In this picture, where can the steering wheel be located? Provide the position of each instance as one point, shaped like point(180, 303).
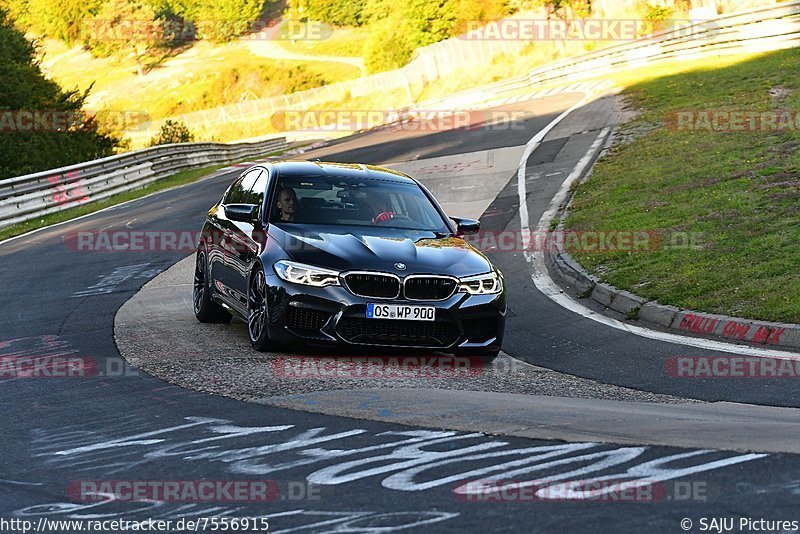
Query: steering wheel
point(388, 216)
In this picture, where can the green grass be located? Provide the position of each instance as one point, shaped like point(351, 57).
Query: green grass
point(179, 178)
point(739, 192)
point(346, 42)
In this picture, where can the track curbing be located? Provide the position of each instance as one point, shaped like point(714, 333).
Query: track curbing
point(684, 321)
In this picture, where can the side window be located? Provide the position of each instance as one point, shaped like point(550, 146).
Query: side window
point(258, 191)
point(231, 191)
point(241, 189)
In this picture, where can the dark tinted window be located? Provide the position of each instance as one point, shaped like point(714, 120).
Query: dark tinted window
point(258, 191)
point(240, 191)
point(237, 194)
point(355, 202)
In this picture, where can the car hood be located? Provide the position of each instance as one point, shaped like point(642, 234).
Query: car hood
point(379, 249)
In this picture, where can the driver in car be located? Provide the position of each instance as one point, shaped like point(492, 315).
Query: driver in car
point(287, 204)
point(380, 206)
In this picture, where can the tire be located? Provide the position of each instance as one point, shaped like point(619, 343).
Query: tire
point(205, 309)
point(257, 313)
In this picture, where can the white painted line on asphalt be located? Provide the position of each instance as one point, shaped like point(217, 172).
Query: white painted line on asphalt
point(549, 288)
point(532, 145)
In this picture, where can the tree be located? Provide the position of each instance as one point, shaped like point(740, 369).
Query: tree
point(398, 30)
point(57, 19)
point(336, 12)
point(376, 11)
point(471, 13)
point(23, 88)
point(388, 46)
point(172, 132)
point(429, 22)
point(126, 27)
point(221, 20)
point(569, 9)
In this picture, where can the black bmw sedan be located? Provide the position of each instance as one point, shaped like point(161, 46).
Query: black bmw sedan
point(312, 253)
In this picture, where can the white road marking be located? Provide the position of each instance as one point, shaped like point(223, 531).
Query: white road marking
point(19, 483)
point(549, 288)
point(532, 145)
point(408, 460)
point(109, 283)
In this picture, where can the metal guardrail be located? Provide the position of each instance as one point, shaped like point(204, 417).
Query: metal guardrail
point(27, 197)
point(761, 29)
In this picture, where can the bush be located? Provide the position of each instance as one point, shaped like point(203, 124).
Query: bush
point(172, 132)
point(23, 87)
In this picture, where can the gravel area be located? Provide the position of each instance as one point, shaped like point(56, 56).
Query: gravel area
point(156, 331)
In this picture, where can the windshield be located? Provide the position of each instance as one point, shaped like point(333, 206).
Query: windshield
point(355, 202)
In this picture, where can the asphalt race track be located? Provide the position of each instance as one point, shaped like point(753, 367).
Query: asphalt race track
point(340, 474)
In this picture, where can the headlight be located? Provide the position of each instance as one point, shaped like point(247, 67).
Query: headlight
point(299, 273)
point(482, 284)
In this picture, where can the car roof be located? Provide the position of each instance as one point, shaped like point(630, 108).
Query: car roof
point(352, 170)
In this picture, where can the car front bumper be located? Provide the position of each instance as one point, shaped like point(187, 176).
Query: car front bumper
point(332, 315)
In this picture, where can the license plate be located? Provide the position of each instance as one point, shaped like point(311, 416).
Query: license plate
point(400, 311)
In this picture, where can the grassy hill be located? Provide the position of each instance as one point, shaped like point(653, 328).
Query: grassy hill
point(202, 76)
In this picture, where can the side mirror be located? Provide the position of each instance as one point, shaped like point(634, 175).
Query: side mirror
point(466, 226)
point(241, 212)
